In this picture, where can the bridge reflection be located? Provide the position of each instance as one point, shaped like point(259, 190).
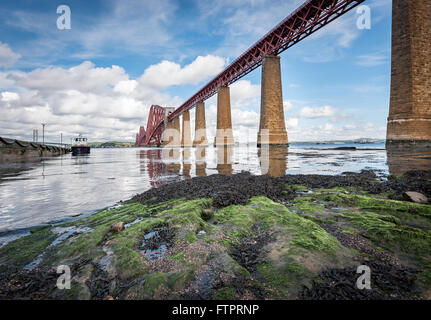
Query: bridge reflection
point(171, 157)
point(201, 165)
point(273, 160)
point(403, 159)
point(162, 162)
point(150, 162)
point(187, 165)
point(224, 160)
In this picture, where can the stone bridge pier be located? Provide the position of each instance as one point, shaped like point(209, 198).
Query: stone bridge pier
point(224, 135)
point(186, 138)
point(200, 126)
point(171, 133)
point(272, 127)
point(409, 121)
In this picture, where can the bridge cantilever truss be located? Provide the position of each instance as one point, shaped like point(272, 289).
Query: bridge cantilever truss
point(307, 19)
point(151, 136)
point(140, 137)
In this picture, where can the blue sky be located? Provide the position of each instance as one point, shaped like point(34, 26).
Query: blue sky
point(101, 77)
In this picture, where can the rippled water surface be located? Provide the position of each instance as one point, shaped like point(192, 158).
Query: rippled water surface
point(33, 194)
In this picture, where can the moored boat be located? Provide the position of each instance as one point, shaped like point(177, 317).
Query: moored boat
point(80, 146)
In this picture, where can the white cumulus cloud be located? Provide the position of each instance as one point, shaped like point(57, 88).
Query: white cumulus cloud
point(168, 73)
point(7, 56)
point(317, 112)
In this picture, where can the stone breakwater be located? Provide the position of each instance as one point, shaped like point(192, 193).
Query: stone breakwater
point(18, 151)
point(238, 237)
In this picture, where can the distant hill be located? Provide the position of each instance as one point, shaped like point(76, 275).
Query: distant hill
point(356, 141)
point(111, 144)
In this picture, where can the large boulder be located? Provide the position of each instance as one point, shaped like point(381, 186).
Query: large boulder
point(416, 197)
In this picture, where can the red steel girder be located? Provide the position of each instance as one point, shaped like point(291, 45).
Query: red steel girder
point(140, 137)
point(307, 19)
point(154, 131)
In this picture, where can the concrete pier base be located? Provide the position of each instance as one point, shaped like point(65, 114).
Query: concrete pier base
point(272, 127)
point(200, 126)
point(186, 139)
point(171, 135)
point(409, 121)
point(224, 134)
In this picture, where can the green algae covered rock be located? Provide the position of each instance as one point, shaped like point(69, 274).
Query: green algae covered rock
point(188, 249)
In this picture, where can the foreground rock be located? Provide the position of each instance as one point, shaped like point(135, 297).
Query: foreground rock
point(117, 227)
point(237, 237)
point(417, 197)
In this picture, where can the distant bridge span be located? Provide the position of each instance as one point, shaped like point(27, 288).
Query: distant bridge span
point(307, 19)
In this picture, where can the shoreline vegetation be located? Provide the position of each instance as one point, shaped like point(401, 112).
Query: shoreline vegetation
point(237, 237)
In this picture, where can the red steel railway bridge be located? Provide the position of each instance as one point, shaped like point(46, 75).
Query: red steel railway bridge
point(410, 111)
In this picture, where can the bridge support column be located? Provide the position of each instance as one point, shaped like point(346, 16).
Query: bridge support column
point(200, 126)
point(272, 127)
point(171, 133)
point(410, 107)
point(224, 135)
point(186, 139)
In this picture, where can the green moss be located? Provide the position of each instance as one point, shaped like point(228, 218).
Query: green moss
point(186, 212)
point(297, 187)
point(82, 246)
point(238, 216)
point(348, 232)
point(126, 213)
point(295, 268)
point(22, 251)
point(306, 205)
point(191, 237)
point(154, 284)
point(317, 220)
point(129, 262)
point(179, 256)
point(378, 204)
point(409, 239)
point(312, 237)
point(345, 190)
point(272, 276)
point(268, 214)
point(280, 282)
point(178, 280)
point(224, 294)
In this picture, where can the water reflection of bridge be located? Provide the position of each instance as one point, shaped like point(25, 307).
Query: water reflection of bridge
point(161, 162)
point(401, 160)
point(273, 161)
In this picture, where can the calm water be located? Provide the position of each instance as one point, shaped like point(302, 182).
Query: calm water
point(61, 188)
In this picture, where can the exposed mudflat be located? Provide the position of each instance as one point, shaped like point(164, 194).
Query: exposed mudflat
point(238, 237)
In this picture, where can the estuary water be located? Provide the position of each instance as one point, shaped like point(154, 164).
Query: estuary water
point(66, 187)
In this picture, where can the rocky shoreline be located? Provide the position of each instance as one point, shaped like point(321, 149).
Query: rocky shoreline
point(238, 237)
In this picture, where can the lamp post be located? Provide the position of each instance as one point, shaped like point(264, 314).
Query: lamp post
point(43, 133)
